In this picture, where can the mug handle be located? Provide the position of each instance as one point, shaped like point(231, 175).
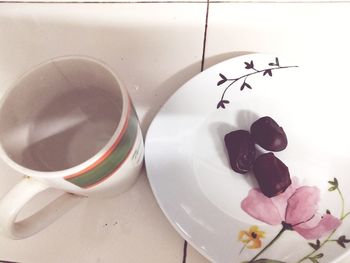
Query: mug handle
point(13, 202)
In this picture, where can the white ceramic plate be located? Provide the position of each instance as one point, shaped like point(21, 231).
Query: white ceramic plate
point(189, 171)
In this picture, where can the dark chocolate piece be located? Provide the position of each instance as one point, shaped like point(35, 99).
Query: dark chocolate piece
point(241, 150)
point(272, 174)
point(268, 134)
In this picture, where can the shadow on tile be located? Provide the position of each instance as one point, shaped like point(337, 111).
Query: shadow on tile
point(166, 90)
point(172, 84)
point(150, 65)
point(211, 61)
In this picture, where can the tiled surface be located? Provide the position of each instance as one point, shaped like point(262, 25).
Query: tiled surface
point(155, 48)
point(153, 55)
point(312, 33)
point(117, 34)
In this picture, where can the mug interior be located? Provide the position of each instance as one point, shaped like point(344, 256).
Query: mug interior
point(60, 114)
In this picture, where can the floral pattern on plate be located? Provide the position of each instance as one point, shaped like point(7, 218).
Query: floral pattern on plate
point(295, 210)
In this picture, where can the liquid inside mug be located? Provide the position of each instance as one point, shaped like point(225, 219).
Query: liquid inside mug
point(68, 124)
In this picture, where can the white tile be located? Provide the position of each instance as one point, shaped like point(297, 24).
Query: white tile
point(302, 31)
point(154, 48)
point(128, 228)
point(194, 257)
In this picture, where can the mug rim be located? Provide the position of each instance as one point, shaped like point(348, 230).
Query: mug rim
point(94, 160)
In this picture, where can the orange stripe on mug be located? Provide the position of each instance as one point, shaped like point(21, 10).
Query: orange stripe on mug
point(109, 151)
point(112, 172)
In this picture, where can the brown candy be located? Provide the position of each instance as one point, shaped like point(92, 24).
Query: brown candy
point(241, 150)
point(272, 174)
point(268, 134)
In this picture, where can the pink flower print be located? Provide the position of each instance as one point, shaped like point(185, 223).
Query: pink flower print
point(296, 209)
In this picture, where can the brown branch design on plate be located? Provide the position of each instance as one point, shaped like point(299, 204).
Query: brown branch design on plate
point(272, 66)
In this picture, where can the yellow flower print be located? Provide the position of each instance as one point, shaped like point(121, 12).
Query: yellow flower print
point(251, 238)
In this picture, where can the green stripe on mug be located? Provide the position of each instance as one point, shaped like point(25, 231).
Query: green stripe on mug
point(113, 161)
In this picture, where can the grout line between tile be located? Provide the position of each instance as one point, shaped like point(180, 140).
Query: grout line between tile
point(205, 35)
point(184, 255)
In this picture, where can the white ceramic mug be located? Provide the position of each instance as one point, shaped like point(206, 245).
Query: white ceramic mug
point(67, 124)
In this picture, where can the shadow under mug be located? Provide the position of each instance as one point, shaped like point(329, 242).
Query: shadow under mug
point(67, 124)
